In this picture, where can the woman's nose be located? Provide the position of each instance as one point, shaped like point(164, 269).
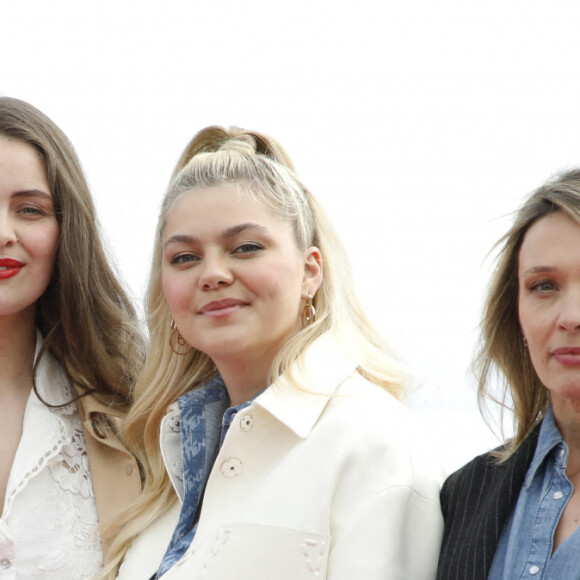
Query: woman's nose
point(215, 273)
point(569, 319)
point(8, 235)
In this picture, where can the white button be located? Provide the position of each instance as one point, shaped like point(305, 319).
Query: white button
point(175, 422)
point(534, 570)
point(5, 563)
point(177, 470)
point(558, 495)
point(231, 467)
point(246, 422)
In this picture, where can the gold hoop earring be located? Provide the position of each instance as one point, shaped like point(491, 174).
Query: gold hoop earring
point(178, 344)
point(309, 313)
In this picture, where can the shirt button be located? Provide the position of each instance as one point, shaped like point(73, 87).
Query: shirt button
point(246, 422)
point(5, 563)
point(175, 423)
point(177, 470)
point(128, 470)
point(534, 570)
point(558, 495)
point(231, 467)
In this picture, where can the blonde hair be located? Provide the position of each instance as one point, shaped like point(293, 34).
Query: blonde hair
point(86, 317)
point(502, 356)
point(258, 166)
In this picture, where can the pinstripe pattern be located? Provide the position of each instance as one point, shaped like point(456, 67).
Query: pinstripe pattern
point(476, 501)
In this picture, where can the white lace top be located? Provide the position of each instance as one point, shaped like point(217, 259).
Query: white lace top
point(49, 525)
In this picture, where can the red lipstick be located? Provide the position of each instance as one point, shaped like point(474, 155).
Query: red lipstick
point(9, 267)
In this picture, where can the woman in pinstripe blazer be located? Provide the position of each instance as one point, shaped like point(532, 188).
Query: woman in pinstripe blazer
point(513, 512)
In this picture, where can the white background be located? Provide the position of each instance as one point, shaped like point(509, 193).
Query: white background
point(419, 124)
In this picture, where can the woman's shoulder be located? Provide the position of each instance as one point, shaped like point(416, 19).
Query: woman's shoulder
point(478, 468)
point(491, 468)
point(382, 429)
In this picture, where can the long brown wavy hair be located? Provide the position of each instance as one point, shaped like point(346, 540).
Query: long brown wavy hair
point(86, 317)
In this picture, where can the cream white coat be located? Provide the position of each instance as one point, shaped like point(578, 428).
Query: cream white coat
point(332, 483)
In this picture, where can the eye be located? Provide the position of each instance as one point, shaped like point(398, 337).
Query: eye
point(543, 286)
point(184, 259)
point(248, 248)
point(32, 211)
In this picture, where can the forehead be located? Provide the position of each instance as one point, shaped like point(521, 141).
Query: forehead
point(17, 152)
point(22, 169)
point(223, 205)
point(550, 241)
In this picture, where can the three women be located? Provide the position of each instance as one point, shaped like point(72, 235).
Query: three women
point(267, 418)
point(69, 353)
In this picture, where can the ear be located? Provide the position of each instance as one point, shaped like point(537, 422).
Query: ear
point(312, 272)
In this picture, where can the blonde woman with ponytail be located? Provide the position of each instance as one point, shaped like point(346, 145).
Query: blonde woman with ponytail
point(267, 418)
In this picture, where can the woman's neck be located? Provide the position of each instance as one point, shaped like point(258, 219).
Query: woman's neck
point(244, 379)
point(17, 347)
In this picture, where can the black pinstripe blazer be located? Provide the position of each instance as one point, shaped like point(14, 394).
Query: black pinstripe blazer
point(476, 501)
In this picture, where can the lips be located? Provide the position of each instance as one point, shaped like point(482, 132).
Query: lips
point(219, 308)
point(567, 355)
point(9, 267)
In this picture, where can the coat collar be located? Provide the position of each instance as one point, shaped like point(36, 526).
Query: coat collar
point(298, 398)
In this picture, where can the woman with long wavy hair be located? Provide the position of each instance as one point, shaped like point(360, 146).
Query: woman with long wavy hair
point(70, 351)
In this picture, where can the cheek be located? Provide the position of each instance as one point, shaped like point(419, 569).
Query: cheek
point(45, 247)
point(173, 290)
point(279, 283)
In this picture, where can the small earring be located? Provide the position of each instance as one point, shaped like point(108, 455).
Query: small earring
point(525, 341)
point(309, 313)
point(177, 343)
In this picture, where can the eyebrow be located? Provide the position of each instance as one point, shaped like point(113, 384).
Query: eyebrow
point(33, 193)
point(539, 269)
point(226, 235)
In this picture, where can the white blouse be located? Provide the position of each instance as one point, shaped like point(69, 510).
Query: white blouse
point(49, 525)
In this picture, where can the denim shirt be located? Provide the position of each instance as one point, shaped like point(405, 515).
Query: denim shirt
point(203, 424)
point(525, 546)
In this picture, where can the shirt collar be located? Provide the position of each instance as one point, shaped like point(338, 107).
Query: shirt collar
point(209, 392)
point(300, 402)
point(548, 440)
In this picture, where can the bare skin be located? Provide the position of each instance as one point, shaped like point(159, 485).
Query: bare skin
point(17, 345)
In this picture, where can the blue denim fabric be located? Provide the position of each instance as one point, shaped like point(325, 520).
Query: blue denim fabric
point(204, 422)
point(525, 546)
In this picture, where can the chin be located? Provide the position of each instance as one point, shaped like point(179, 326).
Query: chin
point(569, 391)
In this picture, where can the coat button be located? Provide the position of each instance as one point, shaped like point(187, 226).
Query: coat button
point(175, 423)
point(246, 422)
point(99, 429)
point(128, 470)
point(231, 467)
point(5, 563)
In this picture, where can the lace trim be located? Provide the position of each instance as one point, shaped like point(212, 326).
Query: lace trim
point(63, 438)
